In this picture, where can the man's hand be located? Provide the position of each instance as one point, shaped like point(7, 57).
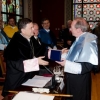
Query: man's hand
point(42, 62)
point(5, 47)
point(62, 63)
point(65, 50)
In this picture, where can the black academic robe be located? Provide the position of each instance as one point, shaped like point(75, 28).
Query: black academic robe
point(16, 52)
point(79, 85)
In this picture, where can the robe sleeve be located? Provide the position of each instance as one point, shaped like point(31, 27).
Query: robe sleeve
point(72, 67)
point(77, 68)
point(25, 66)
point(86, 67)
point(31, 65)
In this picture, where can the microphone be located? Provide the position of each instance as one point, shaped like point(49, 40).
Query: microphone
point(49, 70)
point(53, 82)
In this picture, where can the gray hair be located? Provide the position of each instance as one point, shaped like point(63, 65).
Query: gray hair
point(81, 23)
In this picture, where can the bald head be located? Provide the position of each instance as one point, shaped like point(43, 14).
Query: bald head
point(78, 26)
point(36, 29)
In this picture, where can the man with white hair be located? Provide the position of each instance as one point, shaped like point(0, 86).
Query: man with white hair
point(80, 60)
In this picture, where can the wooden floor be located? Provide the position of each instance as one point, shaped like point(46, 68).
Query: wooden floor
point(95, 87)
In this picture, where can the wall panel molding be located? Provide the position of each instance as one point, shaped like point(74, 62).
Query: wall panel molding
point(68, 11)
point(28, 10)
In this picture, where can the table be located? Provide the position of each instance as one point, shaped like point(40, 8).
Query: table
point(27, 88)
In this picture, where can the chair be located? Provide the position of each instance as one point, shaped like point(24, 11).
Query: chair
point(3, 67)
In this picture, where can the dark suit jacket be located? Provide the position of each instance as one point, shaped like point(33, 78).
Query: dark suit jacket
point(39, 49)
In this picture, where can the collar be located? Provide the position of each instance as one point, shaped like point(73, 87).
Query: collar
point(11, 26)
point(35, 37)
point(24, 37)
point(47, 30)
point(80, 36)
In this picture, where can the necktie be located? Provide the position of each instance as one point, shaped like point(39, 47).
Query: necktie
point(32, 47)
point(38, 41)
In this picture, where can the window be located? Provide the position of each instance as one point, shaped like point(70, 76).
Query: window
point(12, 8)
point(88, 9)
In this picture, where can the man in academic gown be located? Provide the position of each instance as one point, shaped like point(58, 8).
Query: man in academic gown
point(79, 61)
point(39, 49)
point(19, 56)
point(46, 35)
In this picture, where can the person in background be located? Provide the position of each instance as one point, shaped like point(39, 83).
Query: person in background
point(4, 40)
point(19, 56)
point(46, 35)
point(61, 32)
point(39, 49)
point(67, 36)
point(11, 28)
point(80, 60)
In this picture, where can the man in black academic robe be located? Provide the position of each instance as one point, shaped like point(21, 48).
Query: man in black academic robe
point(19, 50)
